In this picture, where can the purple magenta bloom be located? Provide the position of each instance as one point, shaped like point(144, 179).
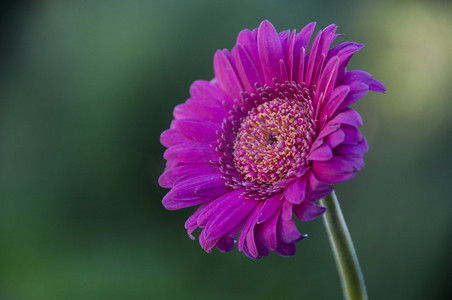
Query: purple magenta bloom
point(265, 139)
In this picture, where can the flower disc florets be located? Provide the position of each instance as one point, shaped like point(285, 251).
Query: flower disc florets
point(273, 141)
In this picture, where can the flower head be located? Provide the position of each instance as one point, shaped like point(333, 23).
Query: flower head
point(257, 145)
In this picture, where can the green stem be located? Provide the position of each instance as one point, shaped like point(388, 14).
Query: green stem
point(344, 253)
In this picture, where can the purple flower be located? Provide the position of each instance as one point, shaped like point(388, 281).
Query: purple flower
point(257, 145)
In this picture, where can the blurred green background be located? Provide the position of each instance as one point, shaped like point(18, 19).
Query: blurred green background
point(86, 87)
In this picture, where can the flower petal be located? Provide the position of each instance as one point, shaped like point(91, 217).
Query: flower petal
point(333, 102)
point(335, 139)
point(377, 86)
point(171, 137)
point(172, 174)
point(226, 75)
point(208, 93)
point(295, 192)
point(321, 153)
point(348, 116)
point(194, 109)
point(353, 150)
point(267, 231)
point(288, 231)
point(270, 207)
point(229, 217)
point(246, 68)
point(308, 211)
point(285, 249)
point(334, 170)
point(270, 50)
point(311, 59)
point(248, 40)
point(327, 83)
point(287, 210)
point(191, 224)
point(225, 244)
point(289, 55)
point(357, 91)
point(344, 51)
point(352, 135)
point(316, 188)
point(328, 37)
point(218, 204)
point(207, 244)
point(191, 153)
point(301, 44)
point(246, 236)
point(197, 130)
point(208, 185)
point(170, 204)
point(326, 131)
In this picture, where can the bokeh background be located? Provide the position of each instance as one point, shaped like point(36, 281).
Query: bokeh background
point(86, 87)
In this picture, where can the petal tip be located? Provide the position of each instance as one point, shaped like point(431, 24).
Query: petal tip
point(377, 86)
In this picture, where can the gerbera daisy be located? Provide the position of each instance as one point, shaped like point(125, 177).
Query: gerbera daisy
point(266, 138)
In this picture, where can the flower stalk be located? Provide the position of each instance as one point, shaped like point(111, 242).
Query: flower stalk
point(352, 279)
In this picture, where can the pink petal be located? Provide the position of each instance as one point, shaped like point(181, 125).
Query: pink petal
point(334, 102)
point(335, 139)
point(348, 116)
point(301, 65)
point(225, 244)
point(344, 51)
point(334, 170)
point(308, 211)
point(317, 189)
point(207, 185)
point(207, 244)
point(226, 75)
point(266, 231)
point(357, 91)
point(301, 44)
point(172, 174)
point(321, 153)
point(247, 234)
point(197, 130)
point(289, 55)
point(246, 69)
point(229, 217)
point(311, 59)
point(207, 93)
point(285, 249)
point(191, 223)
point(171, 137)
point(191, 153)
point(352, 135)
point(217, 205)
point(171, 204)
point(288, 231)
point(295, 192)
point(270, 50)
point(328, 37)
point(270, 207)
point(194, 109)
point(327, 82)
point(377, 86)
point(353, 150)
point(286, 211)
point(327, 130)
point(248, 40)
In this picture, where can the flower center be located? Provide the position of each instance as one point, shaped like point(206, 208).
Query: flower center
point(273, 140)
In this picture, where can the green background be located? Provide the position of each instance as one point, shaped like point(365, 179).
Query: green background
point(86, 87)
